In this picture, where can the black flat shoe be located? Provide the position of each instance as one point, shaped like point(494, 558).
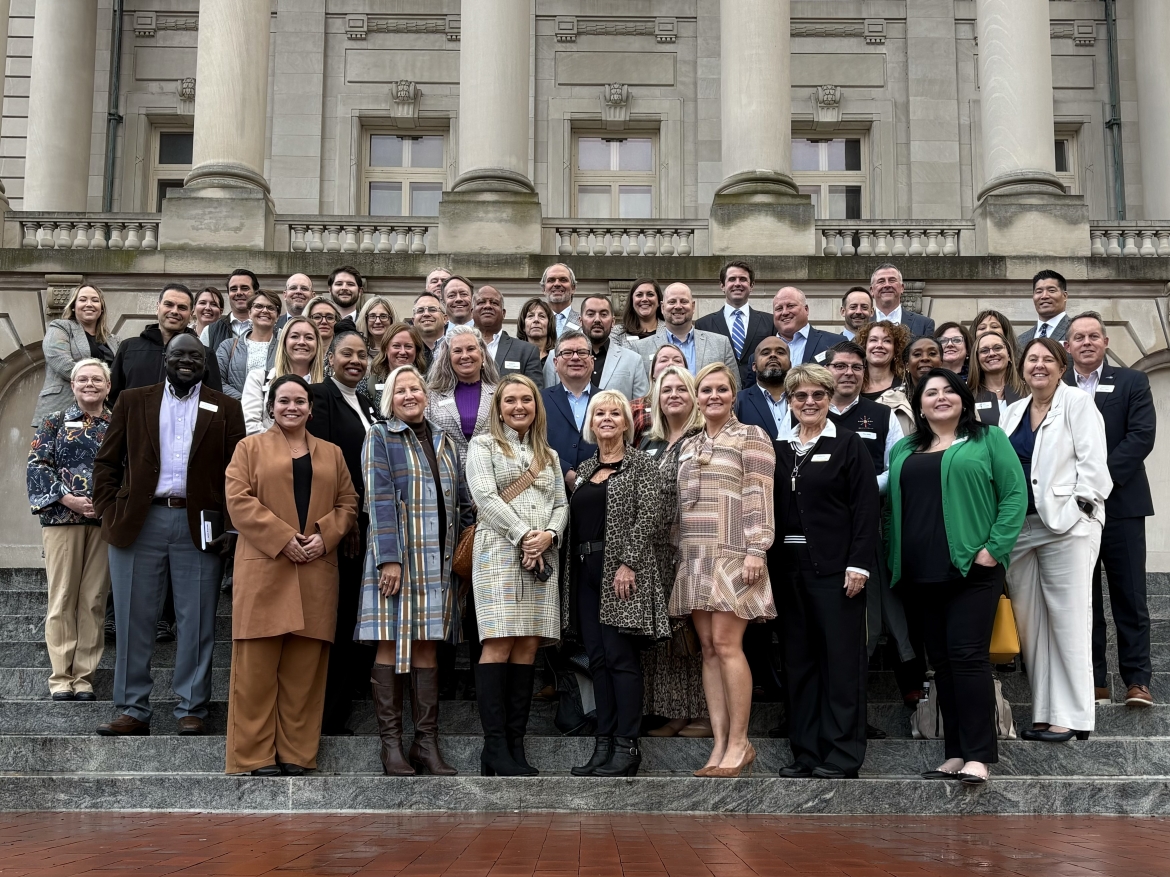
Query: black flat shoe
point(63, 695)
point(84, 695)
point(872, 732)
point(291, 770)
point(971, 779)
point(828, 772)
point(941, 775)
point(270, 770)
point(1057, 736)
point(796, 771)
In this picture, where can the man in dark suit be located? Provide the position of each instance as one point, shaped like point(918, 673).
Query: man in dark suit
point(1050, 299)
point(1124, 399)
point(744, 326)
point(512, 355)
point(567, 402)
point(790, 319)
point(886, 287)
point(764, 404)
point(158, 475)
point(241, 283)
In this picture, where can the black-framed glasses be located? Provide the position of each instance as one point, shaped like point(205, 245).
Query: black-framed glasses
point(575, 354)
point(846, 367)
point(323, 318)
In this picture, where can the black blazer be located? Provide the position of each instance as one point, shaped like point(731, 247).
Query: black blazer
point(758, 328)
point(818, 342)
point(752, 408)
point(525, 356)
point(335, 421)
point(1130, 424)
point(838, 503)
point(990, 413)
point(563, 435)
point(919, 326)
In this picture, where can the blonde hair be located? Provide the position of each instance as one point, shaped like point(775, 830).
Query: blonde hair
point(658, 425)
point(282, 364)
point(362, 321)
point(101, 331)
point(537, 436)
point(714, 368)
point(89, 363)
point(608, 397)
point(810, 373)
point(387, 405)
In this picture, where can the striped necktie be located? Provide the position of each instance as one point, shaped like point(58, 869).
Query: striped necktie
point(1044, 330)
point(738, 336)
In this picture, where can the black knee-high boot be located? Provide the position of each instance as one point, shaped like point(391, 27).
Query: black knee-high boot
point(520, 677)
point(491, 692)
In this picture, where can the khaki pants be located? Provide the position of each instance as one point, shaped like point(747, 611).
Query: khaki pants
point(77, 564)
point(275, 701)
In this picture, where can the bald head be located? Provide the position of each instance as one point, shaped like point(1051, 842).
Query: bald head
point(678, 308)
point(789, 312)
point(298, 289)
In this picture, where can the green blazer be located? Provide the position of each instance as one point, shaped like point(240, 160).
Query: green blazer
point(984, 499)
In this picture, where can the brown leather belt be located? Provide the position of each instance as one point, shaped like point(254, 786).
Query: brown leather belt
point(171, 502)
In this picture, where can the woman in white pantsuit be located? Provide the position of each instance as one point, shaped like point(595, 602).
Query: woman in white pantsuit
point(1059, 436)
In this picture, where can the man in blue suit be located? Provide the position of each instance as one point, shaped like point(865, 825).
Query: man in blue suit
point(764, 404)
point(567, 402)
point(886, 287)
point(790, 318)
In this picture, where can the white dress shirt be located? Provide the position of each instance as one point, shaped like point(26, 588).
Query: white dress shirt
point(494, 345)
point(1051, 322)
point(1091, 381)
point(796, 345)
point(176, 432)
point(894, 316)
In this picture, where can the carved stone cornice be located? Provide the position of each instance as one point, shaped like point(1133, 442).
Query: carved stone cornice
point(359, 24)
point(567, 28)
point(146, 24)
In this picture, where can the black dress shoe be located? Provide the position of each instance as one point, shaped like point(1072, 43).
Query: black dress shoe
point(828, 772)
point(164, 633)
point(940, 775)
point(291, 770)
point(796, 771)
point(111, 632)
point(84, 695)
point(270, 770)
point(972, 779)
point(63, 695)
point(873, 732)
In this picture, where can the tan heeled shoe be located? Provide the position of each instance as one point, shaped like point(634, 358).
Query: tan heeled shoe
point(749, 758)
point(705, 771)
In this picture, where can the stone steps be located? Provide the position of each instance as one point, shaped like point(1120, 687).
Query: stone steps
point(31, 628)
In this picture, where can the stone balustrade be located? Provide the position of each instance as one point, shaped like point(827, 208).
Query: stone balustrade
point(856, 238)
point(605, 237)
point(359, 234)
point(1132, 238)
point(86, 231)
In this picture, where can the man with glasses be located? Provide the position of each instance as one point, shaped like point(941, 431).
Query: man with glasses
point(567, 402)
point(886, 287)
point(241, 285)
point(298, 289)
point(429, 319)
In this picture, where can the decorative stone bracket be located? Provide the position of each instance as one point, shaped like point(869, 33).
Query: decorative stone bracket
point(359, 24)
point(58, 288)
point(146, 24)
point(615, 106)
point(406, 96)
point(186, 90)
point(826, 103)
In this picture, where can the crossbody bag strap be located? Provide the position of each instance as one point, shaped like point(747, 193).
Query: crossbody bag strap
point(521, 484)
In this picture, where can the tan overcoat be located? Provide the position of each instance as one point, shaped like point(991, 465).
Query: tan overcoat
point(271, 595)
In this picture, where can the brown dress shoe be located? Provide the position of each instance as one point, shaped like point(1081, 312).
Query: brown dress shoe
point(191, 726)
point(125, 726)
point(1138, 695)
point(1102, 695)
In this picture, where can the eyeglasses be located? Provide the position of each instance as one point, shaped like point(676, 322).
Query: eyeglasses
point(323, 318)
point(844, 366)
point(998, 348)
point(264, 309)
point(575, 354)
point(377, 318)
point(815, 395)
point(85, 381)
point(428, 310)
point(950, 342)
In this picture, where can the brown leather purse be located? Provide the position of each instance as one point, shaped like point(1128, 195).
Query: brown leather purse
point(461, 562)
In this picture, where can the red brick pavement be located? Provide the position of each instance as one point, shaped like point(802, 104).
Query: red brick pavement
point(576, 845)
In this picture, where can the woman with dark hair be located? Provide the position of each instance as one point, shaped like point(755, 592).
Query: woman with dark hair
point(208, 309)
point(399, 345)
point(920, 356)
point(643, 312)
point(994, 379)
point(1059, 436)
point(255, 349)
point(81, 333)
point(533, 325)
point(988, 320)
point(291, 498)
point(956, 505)
point(955, 342)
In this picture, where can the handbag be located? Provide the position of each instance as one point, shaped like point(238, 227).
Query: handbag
point(684, 639)
point(1005, 638)
point(927, 721)
point(461, 562)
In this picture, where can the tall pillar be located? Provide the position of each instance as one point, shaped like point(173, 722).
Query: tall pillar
point(1151, 27)
point(493, 206)
point(1023, 209)
point(226, 202)
point(60, 105)
point(5, 7)
point(757, 208)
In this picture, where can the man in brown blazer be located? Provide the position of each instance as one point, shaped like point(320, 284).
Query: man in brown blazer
point(157, 479)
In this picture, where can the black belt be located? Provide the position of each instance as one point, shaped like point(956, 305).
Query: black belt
point(584, 548)
point(171, 502)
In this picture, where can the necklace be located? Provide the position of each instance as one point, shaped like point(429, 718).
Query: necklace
point(297, 450)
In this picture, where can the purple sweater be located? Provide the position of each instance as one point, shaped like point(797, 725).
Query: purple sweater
point(467, 401)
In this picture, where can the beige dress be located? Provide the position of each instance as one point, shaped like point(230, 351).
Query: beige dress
point(725, 514)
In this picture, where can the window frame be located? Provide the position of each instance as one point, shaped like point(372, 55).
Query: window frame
point(1070, 179)
point(824, 179)
point(615, 179)
point(407, 176)
point(158, 171)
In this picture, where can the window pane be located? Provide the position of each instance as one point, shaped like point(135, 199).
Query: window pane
point(593, 154)
point(836, 150)
point(1062, 156)
point(426, 152)
point(815, 193)
point(635, 155)
point(844, 202)
point(635, 202)
point(806, 155)
point(386, 199)
point(174, 147)
point(385, 151)
point(852, 155)
point(593, 202)
point(165, 186)
point(424, 198)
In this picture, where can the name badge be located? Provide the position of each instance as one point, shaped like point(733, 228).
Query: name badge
point(979, 406)
point(571, 326)
point(650, 452)
point(686, 456)
point(867, 435)
point(511, 363)
point(1105, 388)
point(820, 357)
point(207, 406)
point(821, 458)
point(959, 441)
point(379, 386)
point(74, 424)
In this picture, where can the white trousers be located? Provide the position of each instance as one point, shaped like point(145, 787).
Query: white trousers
point(1049, 582)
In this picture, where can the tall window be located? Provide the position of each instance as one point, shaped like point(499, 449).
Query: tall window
point(1066, 162)
point(403, 174)
point(614, 177)
point(831, 171)
point(170, 162)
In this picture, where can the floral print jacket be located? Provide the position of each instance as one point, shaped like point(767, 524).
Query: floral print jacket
point(61, 462)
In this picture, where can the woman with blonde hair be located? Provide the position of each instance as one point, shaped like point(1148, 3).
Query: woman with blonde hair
point(372, 322)
point(81, 333)
point(301, 353)
point(516, 483)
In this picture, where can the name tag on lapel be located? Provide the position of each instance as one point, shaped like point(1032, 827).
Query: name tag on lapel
point(1106, 388)
point(207, 406)
point(573, 326)
point(979, 406)
point(650, 452)
point(379, 386)
point(74, 424)
point(959, 441)
point(820, 357)
point(867, 435)
point(511, 363)
point(686, 456)
point(821, 458)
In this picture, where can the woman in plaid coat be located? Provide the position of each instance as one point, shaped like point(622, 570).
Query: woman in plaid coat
point(418, 503)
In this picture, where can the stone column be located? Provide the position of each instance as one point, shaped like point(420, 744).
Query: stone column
point(5, 7)
point(226, 201)
point(60, 105)
point(1151, 27)
point(757, 209)
point(492, 206)
point(1023, 209)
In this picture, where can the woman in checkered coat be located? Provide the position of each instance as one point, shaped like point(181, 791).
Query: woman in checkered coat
point(515, 480)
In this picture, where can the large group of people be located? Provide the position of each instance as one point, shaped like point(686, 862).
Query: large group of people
point(658, 499)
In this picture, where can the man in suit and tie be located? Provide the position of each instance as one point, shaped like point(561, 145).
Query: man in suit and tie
point(790, 318)
point(886, 287)
point(158, 475)
point(567, 401)
point(558, 283)
point(744, 326)
point(764, 404)
point(1050, 299)
point(613, 367)
point(1127, 406)
point(700, 348)
point(512, 355)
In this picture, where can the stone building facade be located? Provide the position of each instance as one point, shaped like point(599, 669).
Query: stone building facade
point(969, 141)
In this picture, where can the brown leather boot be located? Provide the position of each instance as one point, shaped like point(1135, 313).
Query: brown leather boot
point(424, 706)
point(386, 686)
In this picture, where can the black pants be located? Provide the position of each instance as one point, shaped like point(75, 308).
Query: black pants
point(958, 618)
point(824, 665)
point(909, 675)
point(1123, 554)
point(349, 662)
point(614, 661)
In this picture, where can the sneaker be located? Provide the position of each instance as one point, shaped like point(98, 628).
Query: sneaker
point(1102, 695)
point(164, 633)
point(1139, 695)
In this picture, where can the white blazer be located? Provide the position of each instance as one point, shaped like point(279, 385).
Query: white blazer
point(1070, 460)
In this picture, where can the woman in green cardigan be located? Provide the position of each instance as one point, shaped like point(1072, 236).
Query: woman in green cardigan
point(957, 504)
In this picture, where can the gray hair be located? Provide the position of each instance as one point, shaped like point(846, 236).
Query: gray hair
point(83, 363)
point(441, 378)
point(572, 276)
point(886, 266)
point(387, 405)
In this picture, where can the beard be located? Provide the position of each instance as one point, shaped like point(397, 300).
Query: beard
point(772, 376)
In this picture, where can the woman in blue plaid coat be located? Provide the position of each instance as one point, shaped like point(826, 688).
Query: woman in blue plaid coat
point(418, 504)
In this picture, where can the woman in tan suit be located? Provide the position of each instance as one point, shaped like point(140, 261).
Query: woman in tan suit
point(290, 496)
